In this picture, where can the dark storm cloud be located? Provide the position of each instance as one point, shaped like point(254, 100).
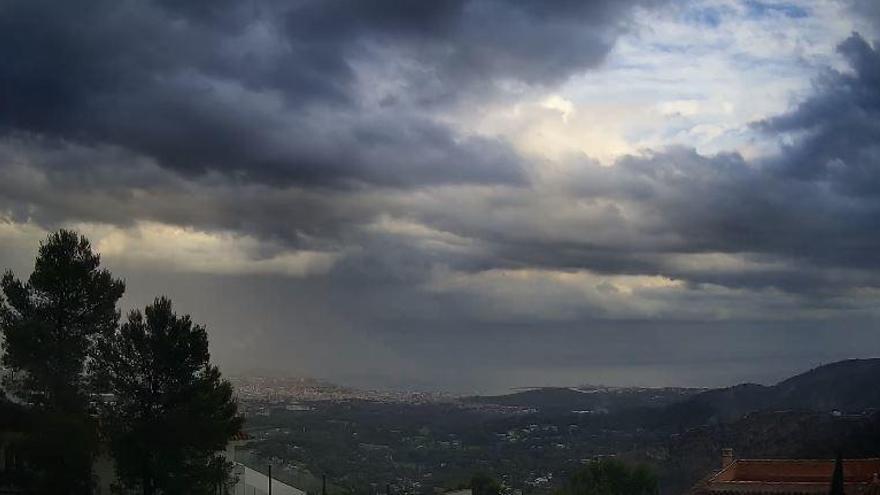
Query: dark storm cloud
point(834, 160)
point(465, 41)
point(53, 183)
point(309, 125)
point(865, 9)
point(268, 91)
point(840, 126)
point(174, 92)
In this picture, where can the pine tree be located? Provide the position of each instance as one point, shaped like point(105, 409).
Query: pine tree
point(837, 477)
point(611, 477)
point(50, 326)
point(173, 411)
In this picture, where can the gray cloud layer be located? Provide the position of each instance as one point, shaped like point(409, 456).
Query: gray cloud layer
point(267, 91)
point(308, 125)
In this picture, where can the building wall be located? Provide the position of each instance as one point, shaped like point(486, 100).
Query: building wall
point(252, 482)
point(249, 481)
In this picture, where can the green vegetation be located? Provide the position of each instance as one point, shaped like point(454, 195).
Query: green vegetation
point(611, 477)
point(536, 442)
point(51, 325)
point(68, 355)
point(172, 412)
point(482, 484)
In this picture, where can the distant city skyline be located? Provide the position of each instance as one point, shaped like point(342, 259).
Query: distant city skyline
point(464, 195)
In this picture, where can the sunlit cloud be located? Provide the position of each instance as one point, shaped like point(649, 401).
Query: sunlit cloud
point(169, 248)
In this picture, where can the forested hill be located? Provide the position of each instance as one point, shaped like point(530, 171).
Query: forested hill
point(789, 419)
point(589, 399)
point(852, 385)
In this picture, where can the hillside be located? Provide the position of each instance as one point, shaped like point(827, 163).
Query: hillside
point(588, 399)
point(849, 386)
point(366, 440)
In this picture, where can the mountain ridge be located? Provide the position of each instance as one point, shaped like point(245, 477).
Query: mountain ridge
point(850, 385)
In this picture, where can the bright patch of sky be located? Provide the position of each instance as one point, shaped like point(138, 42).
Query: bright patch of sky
point(696, 74)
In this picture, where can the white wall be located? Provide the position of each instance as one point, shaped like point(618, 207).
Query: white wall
point(252, 482)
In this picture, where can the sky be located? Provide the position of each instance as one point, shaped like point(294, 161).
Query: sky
point(463, 195)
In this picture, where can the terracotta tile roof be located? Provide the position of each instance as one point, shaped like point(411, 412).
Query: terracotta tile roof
point(791, 476)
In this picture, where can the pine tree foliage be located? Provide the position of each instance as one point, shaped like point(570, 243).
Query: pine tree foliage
point(611, 477)
point(144, 390)
point(172, 411)
point(51, 323)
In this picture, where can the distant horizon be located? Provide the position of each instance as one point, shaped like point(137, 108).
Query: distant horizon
point(279, 374)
